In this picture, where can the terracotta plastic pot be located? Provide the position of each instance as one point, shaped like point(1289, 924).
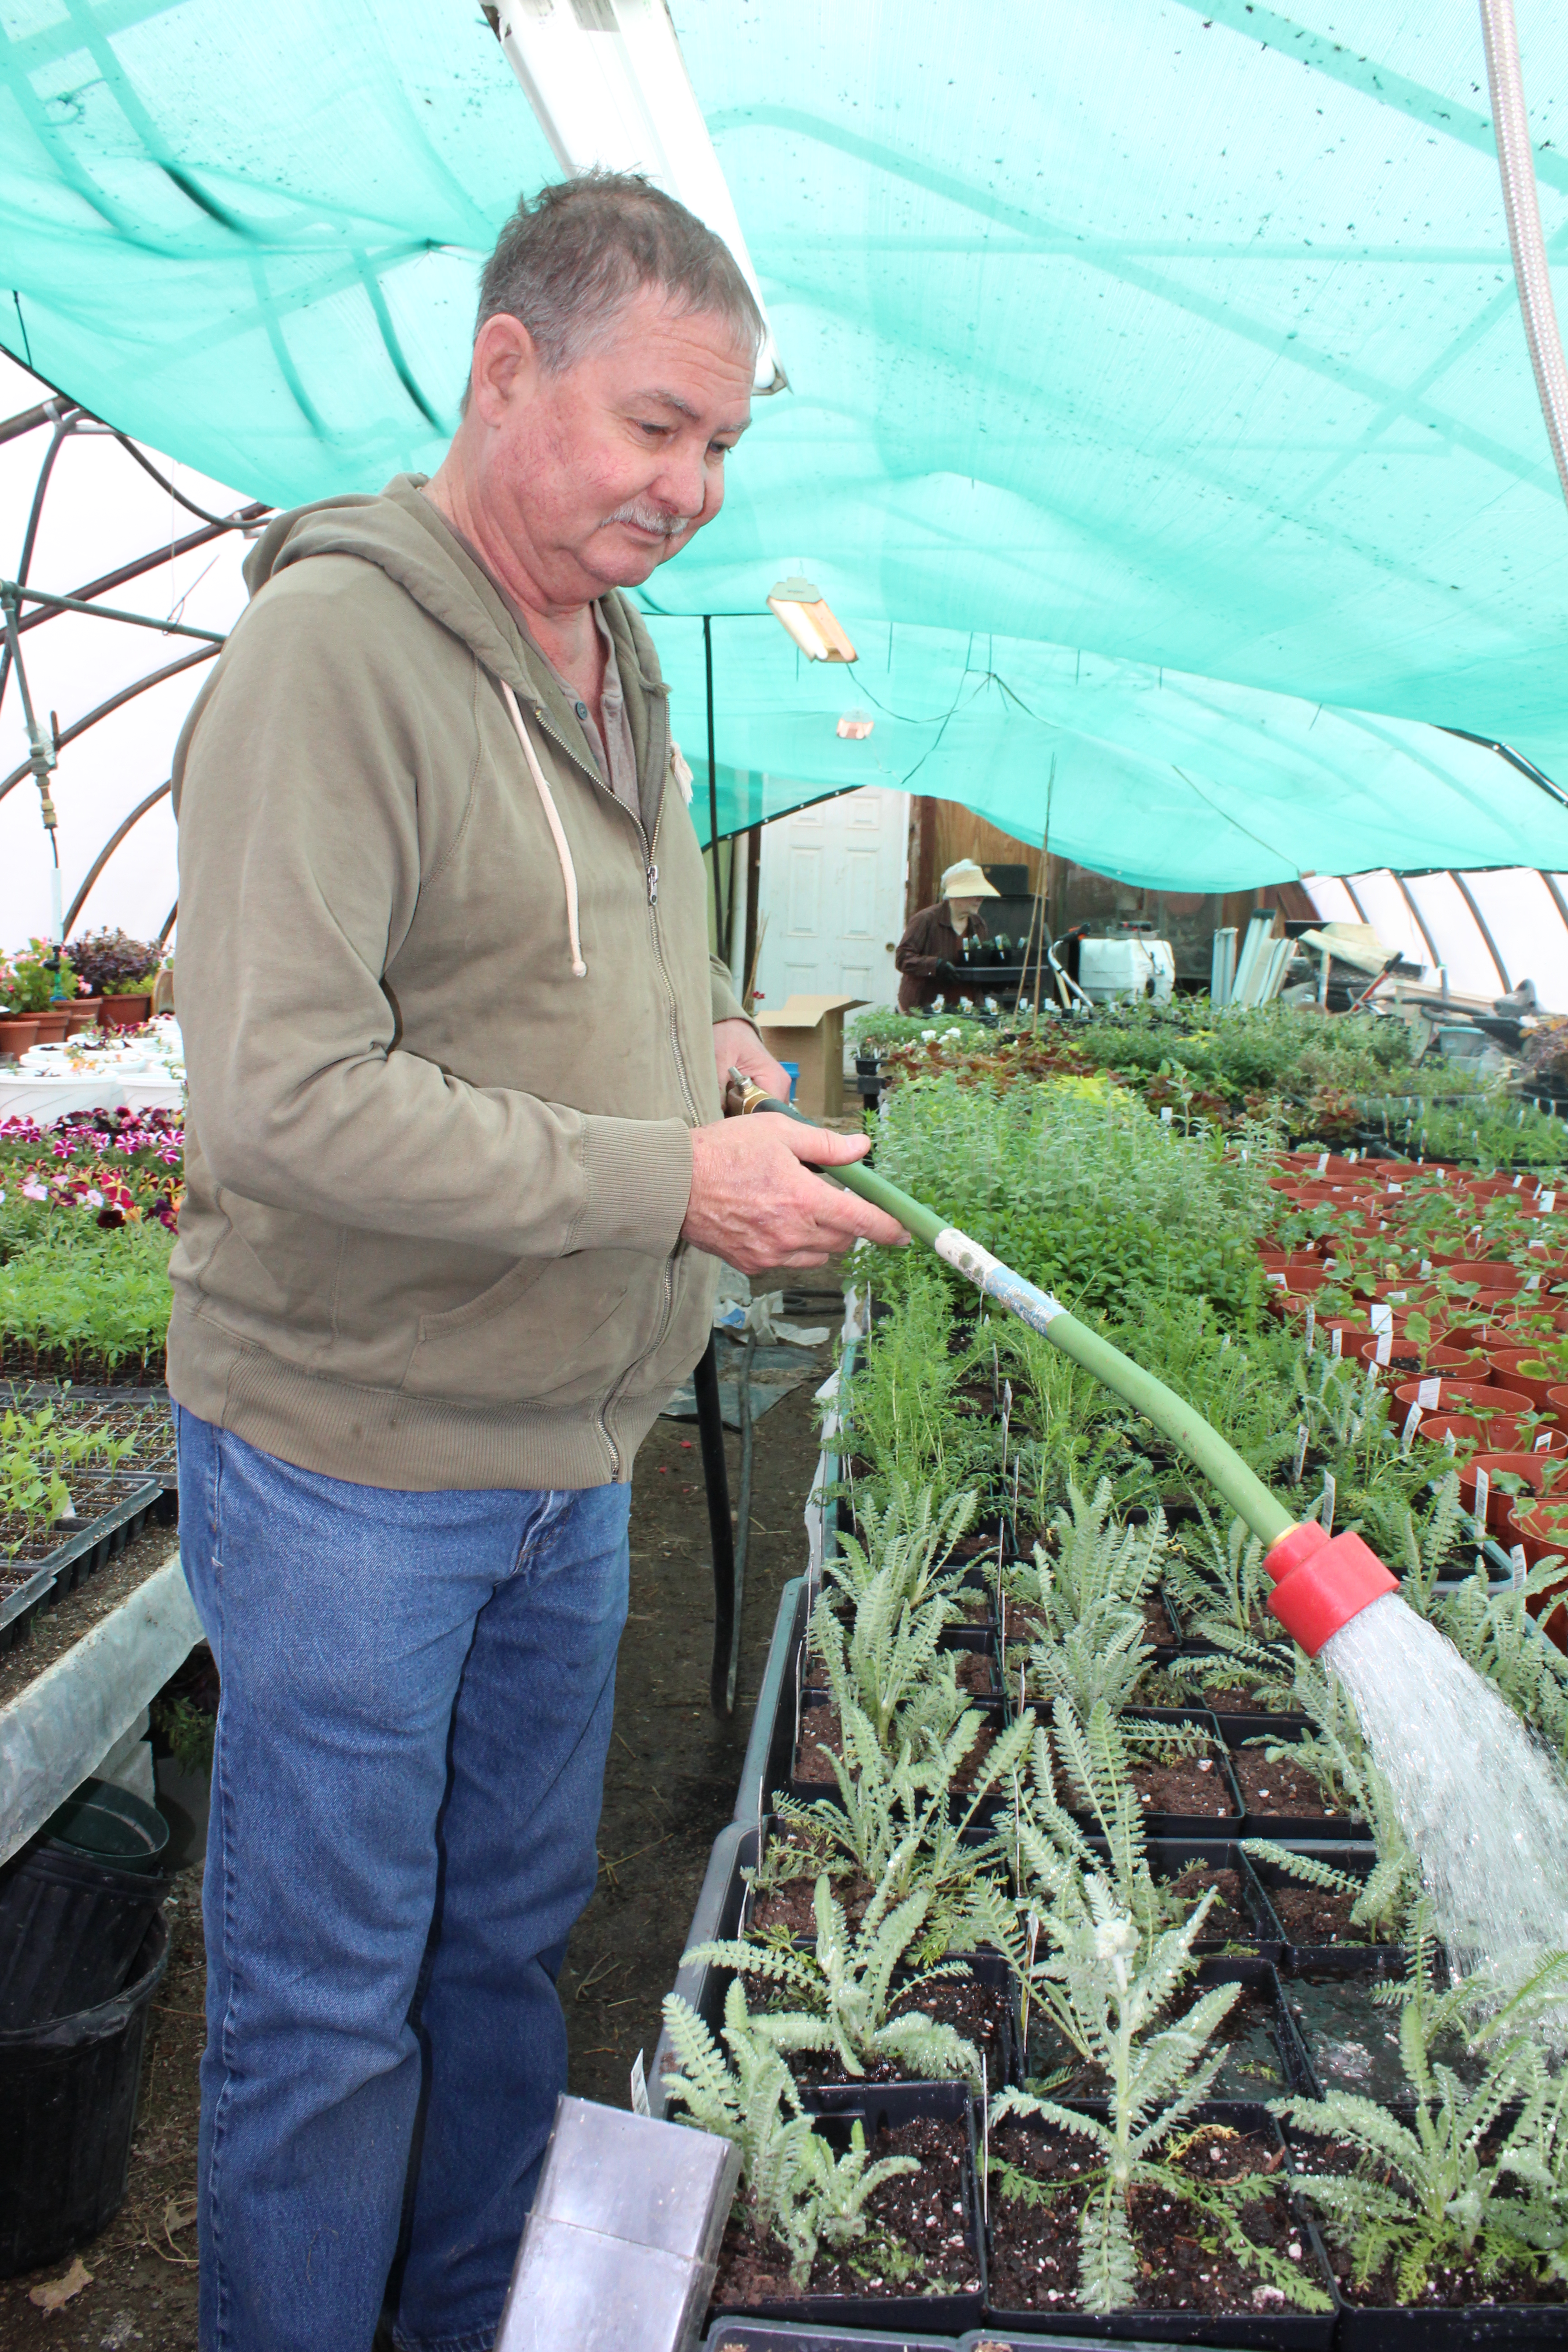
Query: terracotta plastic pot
point(80, 1017)
point(1424, 1358)
point(1480, 1399)
point(1540, 1531)
point(1557, 1403)
point(1505, 1370)
point(52, 1027)
point(1488, 1272)
point(1530, 1467)
point(125, 1011)
point(19, 1034)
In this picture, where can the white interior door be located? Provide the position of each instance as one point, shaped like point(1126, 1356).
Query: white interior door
point(833, 892)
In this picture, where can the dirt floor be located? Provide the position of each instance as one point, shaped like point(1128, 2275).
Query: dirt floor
point(669, 1790)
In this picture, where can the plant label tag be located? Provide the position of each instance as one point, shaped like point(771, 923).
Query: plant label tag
point(1300, 1460)
point(1547, 1203)
point(639, 2088)
point(1542, 1441)
point(1322, 1168)
point(1337, 1341)
point(1243, 1155)
point(1312, 1329)
point(1397, 1298)
point(1442, 1171)
point(1450, 1443)
point(1384, 1346)
point(1426, 1266)
point(1382, 1321)
point(1520, 1567)
point(1532, 1282)
point(1518, 1180)
point(1326, 1507)
point(1166, 1116)
point(1429, 1395)
point(1483, 1497)
point(1412, 1423)
point(1278, 1279)
point(1396, 1188)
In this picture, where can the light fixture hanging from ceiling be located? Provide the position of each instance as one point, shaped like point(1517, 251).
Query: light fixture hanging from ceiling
point(609, 86)
point(810, 620)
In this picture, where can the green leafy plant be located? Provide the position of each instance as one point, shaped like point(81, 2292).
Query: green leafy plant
point(846, 1984)
point(37, 1455)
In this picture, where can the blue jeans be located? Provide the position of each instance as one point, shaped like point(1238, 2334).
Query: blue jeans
point(416, 1700)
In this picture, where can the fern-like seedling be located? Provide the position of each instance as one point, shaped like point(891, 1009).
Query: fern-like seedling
point(908, 1543)
point(844, 1988)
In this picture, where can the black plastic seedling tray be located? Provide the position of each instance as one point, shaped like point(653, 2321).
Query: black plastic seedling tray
point(1169, 1857)
point(1282, 2330)
point(884, 2107)
point(83, 1553)
point(1285, 1829)
point(1225, 1825)
point(1358, 1860)
point(770, 1745)
point(1270, 2064)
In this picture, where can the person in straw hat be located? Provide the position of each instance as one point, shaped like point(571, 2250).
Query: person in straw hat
point(936, 934)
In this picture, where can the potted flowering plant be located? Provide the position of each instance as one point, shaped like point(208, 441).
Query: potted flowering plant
point(119, 970)
point(40, 986)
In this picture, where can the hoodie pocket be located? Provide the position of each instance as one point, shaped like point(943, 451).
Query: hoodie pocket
point(555, 1331)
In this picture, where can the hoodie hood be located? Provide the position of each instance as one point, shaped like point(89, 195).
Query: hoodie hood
point(404, 535)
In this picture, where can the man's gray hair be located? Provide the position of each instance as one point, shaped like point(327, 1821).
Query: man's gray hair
point(568, 262)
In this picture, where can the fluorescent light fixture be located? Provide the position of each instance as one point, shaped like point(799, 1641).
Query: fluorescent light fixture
point(609, 86)
point(809, 618)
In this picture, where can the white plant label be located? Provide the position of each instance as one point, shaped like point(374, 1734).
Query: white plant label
point(1278, 1278)
point(1518, 1180)
point(1483, 1497)
point(1450, 1443)
point(1301, 1462)
point(1429, 1395)
point(1426, 1266)
point(1382, 1321)
point(1166, 1116)
point(1322, 1168)
point(639, 2088)
point(1326, 1507)
point(1311, 1327)
point(1543, 1441)
point(1547, 1203)
point(1532, 1282)
point(1337, 1341)
point(1412, 1423)
point(1520, 1569)
point(1397, 1298)
point(1384, 1346)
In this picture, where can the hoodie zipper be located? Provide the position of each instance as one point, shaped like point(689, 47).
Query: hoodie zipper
point(650, 872)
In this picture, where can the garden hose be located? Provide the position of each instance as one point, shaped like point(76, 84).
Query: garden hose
point(1321, 1582)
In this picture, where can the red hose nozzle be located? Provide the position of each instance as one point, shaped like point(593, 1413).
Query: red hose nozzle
point(1322, 1581)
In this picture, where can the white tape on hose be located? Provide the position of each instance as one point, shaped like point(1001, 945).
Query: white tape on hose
point(992, 1279)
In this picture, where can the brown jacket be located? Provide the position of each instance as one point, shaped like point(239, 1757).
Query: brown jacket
point(448, 1014)
point(931, 939)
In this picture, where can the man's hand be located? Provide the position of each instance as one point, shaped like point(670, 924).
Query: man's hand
point(755, 1206)
point(737, 1044)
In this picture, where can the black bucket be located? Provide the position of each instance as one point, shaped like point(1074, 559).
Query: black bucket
point(70, 1930)
point(101, 1823)
point(68, 2092)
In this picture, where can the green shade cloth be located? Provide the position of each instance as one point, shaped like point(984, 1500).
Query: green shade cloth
point(1124, 339)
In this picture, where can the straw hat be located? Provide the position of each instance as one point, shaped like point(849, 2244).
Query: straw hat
point(966, 880)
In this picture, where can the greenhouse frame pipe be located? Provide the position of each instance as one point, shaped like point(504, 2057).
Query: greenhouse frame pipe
point(145, 563)
point(109, 612)
point(107, 852)
point(115, 702)
point(1409, 898)
point(1468, 896)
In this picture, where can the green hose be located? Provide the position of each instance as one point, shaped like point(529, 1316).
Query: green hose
point(1171, 1414)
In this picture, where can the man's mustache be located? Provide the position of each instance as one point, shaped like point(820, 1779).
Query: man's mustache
point(649, 518)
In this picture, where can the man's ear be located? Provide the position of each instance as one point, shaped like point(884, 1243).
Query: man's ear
point(505, 369)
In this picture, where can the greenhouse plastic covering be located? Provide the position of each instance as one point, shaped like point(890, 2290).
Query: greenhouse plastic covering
point(1161, 423)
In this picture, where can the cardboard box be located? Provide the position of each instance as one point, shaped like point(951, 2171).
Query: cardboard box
point(810, 1030)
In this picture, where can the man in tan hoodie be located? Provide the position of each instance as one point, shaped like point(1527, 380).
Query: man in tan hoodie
point(457, 1175)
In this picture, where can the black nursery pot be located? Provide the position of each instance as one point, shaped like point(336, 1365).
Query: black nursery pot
point(1290, 1829)
point(884, 2108)
point(1168, 1825)
point(1280, 2330)
point(1264, 2060)
point(1357, 1861)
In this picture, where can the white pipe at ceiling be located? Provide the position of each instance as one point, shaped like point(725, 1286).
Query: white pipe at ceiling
point(1510, 128)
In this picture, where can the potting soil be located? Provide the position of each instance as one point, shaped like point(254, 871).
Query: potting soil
point(1272, 1785)
point(1459, 2286)
point(916, 2241)
point(1181, 2264)
point(977, 2011)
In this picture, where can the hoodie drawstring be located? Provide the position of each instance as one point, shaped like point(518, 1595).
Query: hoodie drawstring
point(557, 832)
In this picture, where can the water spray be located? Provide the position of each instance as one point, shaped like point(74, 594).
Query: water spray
point(1484, 1807)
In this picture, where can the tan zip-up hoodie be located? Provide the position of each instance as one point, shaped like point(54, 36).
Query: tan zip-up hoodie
point(448, 1011)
